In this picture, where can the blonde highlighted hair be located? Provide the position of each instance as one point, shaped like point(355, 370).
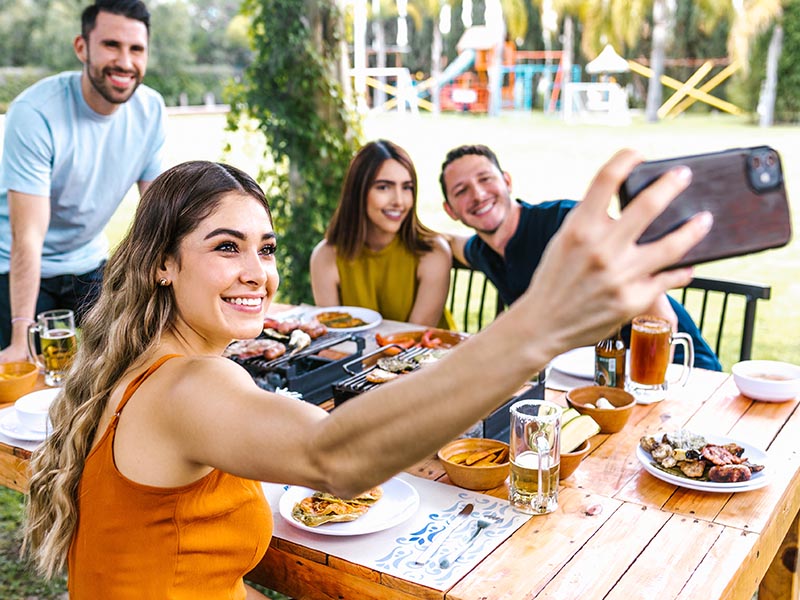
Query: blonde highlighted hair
point(130, 316)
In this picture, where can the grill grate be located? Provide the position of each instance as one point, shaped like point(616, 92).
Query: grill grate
point(495, 426)
point(304, 372)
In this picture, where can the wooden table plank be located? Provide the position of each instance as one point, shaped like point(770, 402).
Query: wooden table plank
point(782, 581)
point(523, 565)
point(304, 579)
point(607, 555)
point(660, 571)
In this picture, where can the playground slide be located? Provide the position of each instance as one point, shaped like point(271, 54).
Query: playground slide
point(461, 63)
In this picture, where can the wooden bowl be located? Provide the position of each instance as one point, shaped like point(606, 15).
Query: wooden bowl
point(16, 379)
point(611, 420)
point(474, 477)
point(570, 461)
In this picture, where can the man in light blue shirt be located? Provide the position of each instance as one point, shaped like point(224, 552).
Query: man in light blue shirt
point(74, 145)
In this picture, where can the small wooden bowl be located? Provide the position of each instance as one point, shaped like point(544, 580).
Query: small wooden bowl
point(16, 379)
point(484, 477)
point(611, 420)
point(570, 461)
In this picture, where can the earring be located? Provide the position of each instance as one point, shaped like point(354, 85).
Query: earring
point(163, 282)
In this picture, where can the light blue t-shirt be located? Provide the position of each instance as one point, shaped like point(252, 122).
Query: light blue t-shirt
point(56, 146)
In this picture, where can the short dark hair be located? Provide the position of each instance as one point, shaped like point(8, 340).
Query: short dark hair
point(466, 150)
point(133, 9)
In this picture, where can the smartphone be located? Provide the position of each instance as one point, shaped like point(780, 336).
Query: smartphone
point(742, 187)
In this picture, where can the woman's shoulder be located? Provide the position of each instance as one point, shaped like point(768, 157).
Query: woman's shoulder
point(188, 375)
point(324, 251)
point(440, 247)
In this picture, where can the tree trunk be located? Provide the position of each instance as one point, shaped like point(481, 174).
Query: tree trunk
point(566, 56)
point(436, 64)
point(766, 103)
point(379, 44)
point(360, 54)
point(657, 53)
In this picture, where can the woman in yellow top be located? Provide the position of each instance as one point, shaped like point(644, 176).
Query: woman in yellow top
point(376, 254)
point(147, 486)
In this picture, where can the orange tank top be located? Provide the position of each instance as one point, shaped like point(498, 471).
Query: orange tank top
point(136, 541)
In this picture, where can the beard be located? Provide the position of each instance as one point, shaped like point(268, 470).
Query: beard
point(99, 78)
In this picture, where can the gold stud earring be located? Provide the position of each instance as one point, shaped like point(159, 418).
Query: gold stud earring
point(163, 282)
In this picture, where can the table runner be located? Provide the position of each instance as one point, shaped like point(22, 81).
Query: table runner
point(393, 551)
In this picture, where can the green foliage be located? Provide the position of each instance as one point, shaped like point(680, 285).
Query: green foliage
point(17, 582)
point(14, 80)
point(747, 87)
point(787, 105)
point(292, 92)
point(195, 81)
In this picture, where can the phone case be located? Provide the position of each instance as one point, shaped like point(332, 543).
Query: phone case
point(743, 188)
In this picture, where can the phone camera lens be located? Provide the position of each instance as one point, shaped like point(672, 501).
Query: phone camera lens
point(770, 160)
point(756, 162)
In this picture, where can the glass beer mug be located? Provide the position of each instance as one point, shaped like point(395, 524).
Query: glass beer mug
point(535, 456)
point(58, 342)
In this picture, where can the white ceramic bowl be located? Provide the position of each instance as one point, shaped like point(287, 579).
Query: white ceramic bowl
point(767, 380)
point(33, 409)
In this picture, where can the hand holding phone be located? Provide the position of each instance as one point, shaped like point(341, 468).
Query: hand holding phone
point(743, 188)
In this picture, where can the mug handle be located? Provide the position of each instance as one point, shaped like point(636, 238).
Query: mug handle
point(37, 359)
point(543, 452)
point(685, 340)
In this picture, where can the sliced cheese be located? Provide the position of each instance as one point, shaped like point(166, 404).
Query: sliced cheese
point(577, 431)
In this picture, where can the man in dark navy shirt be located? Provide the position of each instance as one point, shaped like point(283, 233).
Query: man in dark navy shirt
point(511, 235)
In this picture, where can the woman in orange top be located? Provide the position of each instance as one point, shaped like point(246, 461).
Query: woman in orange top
point(147, 487)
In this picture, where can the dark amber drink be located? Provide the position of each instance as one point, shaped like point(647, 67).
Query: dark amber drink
point(650, 345)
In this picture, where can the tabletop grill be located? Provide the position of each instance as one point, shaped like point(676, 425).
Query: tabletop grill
point(495, 426)
point(305, 372)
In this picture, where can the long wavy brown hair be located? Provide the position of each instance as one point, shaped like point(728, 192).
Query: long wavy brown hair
point(131, 315)
point(347, 231)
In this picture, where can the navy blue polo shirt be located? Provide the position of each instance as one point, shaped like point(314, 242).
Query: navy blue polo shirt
point(512, 275)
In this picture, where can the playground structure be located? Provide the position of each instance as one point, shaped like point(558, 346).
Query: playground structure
point(465, 84)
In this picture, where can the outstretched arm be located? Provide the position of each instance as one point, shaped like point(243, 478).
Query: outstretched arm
point(457, 243)
point(593, 277)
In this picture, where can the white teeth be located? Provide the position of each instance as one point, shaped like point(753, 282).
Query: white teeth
point(244, 301)
point(484, 210)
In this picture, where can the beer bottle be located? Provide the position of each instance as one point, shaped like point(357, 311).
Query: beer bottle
point(609, 361)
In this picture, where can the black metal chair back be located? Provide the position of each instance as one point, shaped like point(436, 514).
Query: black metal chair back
point(713, 309)
point(473, 300)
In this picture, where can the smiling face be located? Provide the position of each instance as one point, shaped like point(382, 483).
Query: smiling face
point(478, 193)
point(390, 199)
point(225, 275)
point(114, 61)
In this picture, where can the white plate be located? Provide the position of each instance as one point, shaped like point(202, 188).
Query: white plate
point(753, 454)
point(399, 502)
point(578, 362)
point(370, 317)
point(10, 426)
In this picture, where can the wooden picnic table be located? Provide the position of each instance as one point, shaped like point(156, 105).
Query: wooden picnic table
point(618, 533)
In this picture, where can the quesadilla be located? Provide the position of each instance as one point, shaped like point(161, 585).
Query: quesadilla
point(326, 508)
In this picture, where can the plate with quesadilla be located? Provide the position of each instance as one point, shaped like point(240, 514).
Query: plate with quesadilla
point(380, 508)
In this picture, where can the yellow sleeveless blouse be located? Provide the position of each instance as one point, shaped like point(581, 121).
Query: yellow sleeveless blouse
point(384, 280)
